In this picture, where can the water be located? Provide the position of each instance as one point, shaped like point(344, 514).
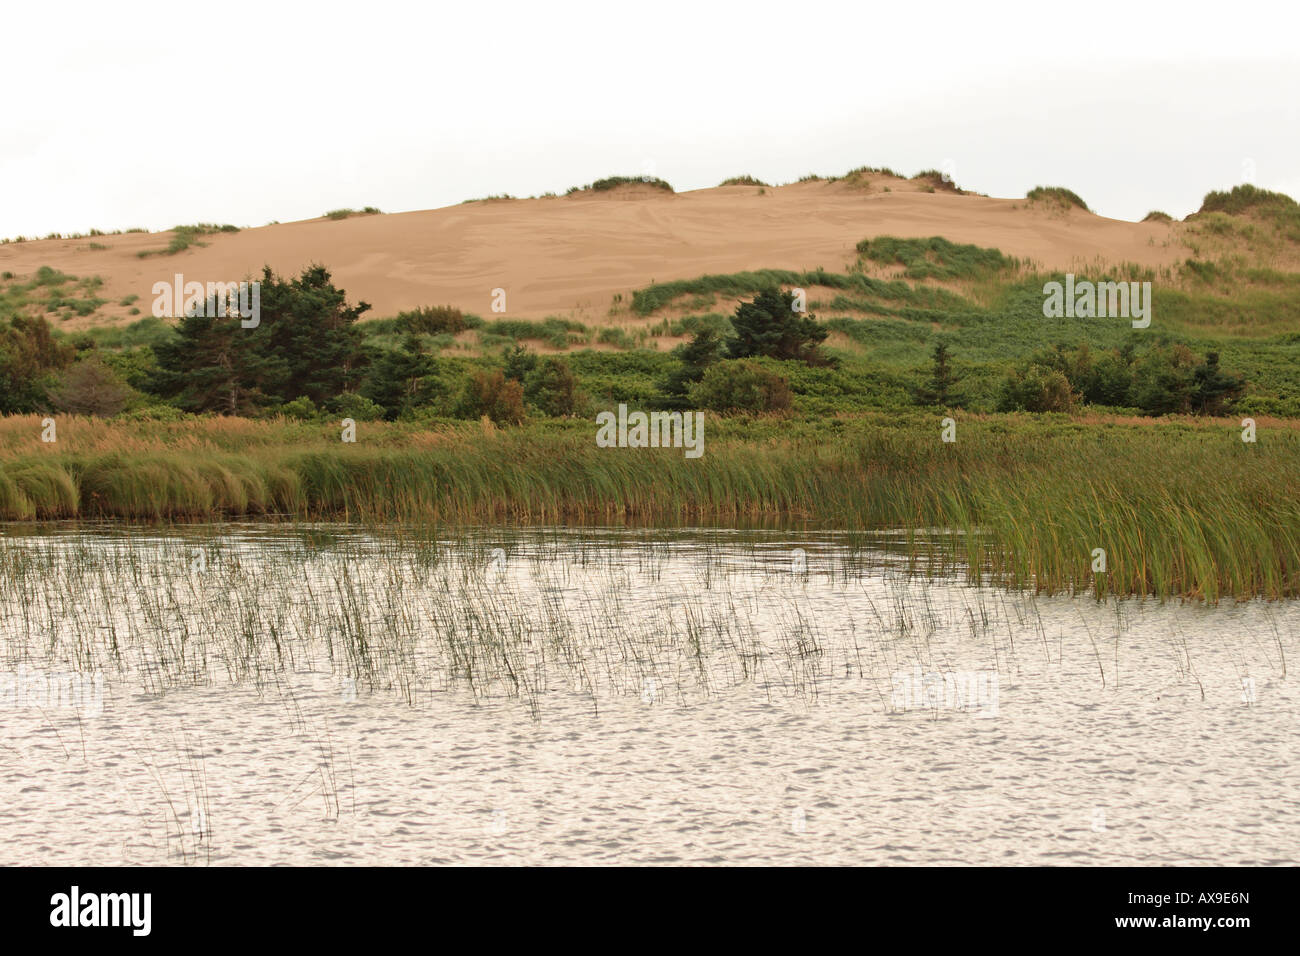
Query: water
point(253, 695)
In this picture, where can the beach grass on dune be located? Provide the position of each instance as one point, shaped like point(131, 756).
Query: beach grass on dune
point(1180, 508)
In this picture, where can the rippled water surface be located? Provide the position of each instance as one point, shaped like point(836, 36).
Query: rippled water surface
point(252, 695)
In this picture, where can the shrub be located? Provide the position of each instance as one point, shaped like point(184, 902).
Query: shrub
point(551, 386)
point(745, 180)
point(1214, 391)
point(357, 407)
point(1036, 389)
point(90, 388)
point(517, 362)
point(1155, 215)
point(433, 320)
point(301, 408)
point(741, 386)
point(1163, 381)
point(613, 182)
point(400, 379)
point(706, 348)
point(1057, 194)
point(490, 393)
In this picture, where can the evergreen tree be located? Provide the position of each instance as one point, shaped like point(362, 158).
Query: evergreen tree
point(770, 326)
point(1214, 390)
point(552, 388)
point(941, 388)
point(309, 336)
point(209, 366)
point(704, 349)
point(305, 344)
point(398, 378)
point(518, 362)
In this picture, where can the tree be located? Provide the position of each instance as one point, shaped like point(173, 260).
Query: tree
point(399, 378)
point(1214, 390)
point(210, 366)
point(309, 335)
point(704, 349)
point(552, 388)
point(305, 344)
point(90, 388)
point(518, 362)
point(29, 359)
point(941, 388)
point(770, 326)
point(1163, 381)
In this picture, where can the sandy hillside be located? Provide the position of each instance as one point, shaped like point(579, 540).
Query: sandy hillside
point(569, 256)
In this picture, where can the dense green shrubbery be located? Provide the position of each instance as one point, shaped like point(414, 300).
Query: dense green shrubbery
point(434, 320)
point(1164, 380)
point(741, 385)
point(553, 389)
point(935, 258)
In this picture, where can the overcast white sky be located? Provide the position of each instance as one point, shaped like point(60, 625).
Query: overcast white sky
point(152, 114)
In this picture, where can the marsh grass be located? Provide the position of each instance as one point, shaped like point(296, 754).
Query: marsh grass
point(1181, 509)
point(416, 612)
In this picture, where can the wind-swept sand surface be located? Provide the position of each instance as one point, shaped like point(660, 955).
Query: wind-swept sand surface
point(571, 255)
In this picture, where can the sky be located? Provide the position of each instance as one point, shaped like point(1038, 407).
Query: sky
point(155, 114)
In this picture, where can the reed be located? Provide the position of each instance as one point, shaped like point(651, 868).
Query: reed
point(1180, 507)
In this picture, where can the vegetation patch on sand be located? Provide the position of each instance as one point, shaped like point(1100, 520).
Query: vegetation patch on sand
point(1058, 195)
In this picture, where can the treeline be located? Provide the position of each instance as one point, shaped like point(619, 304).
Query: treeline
point(309, 356)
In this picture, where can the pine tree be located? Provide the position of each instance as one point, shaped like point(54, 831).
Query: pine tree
point(704, 349)
point(308, 336)
point(398, 378)
point(1214, 390)
point(940, 389)
point(770, 326)
point(305, 344)
point(209, 366)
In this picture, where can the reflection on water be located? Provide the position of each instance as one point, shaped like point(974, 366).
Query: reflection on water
point(257, 694)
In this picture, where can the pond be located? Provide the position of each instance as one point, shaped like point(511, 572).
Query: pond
point(308, 694)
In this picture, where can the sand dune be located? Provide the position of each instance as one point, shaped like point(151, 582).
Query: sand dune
point(570, 256)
